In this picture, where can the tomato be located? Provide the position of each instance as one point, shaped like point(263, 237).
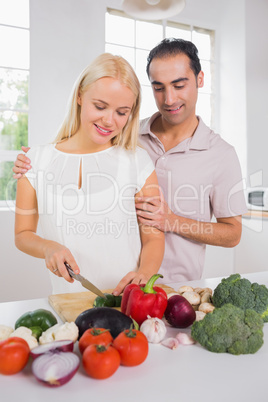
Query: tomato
point(100, 361)
point(95, 336)
point(132, 346)
point(14, 355)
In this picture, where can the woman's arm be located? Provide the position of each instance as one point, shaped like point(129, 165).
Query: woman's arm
point(153, 244)
point(26, 239)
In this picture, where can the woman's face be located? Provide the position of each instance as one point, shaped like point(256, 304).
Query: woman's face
point(105, 109)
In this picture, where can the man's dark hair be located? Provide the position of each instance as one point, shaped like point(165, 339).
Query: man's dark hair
point(172, 47)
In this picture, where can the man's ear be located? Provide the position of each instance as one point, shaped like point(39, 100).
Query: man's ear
point(200, 80)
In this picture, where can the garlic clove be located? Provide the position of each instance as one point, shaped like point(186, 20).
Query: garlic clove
point(185, 339)
point(171, 343)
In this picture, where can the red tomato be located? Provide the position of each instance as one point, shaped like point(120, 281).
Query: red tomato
point(100, 361)
point(14, 355)
point(132, 346)
point(95, 336)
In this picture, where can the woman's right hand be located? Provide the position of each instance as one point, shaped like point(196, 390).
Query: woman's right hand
point(21, 164)
point(55, 256)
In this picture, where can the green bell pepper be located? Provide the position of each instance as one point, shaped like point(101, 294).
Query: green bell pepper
point(38, 321)
point(110, 301)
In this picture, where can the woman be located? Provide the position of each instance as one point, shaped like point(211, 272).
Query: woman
point(82, 188)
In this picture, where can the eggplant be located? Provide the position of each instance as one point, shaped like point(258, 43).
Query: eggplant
point(103, 317)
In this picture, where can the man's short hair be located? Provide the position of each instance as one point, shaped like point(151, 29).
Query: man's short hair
point(173, 46)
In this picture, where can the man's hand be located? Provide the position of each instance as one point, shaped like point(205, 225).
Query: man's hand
point(21, 164)
point(154, 211)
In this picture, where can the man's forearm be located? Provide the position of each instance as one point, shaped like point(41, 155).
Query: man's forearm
point(226, 232)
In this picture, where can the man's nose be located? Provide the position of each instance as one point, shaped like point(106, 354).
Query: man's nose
point(169, 96)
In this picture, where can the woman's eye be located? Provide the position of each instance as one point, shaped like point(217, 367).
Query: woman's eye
point(121, 114)
point(99, 107)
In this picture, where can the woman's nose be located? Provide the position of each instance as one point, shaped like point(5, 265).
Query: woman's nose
point(108, 118)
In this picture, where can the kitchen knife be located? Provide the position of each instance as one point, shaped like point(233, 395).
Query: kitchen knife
point(84, 282)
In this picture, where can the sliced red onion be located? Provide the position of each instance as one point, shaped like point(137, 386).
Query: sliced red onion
point(55, 368)
point(61, 346)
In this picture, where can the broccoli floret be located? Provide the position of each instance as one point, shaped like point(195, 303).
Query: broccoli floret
point(242, 293)
point(229, 329)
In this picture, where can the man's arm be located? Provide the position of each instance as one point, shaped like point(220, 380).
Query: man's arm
point(226, 232)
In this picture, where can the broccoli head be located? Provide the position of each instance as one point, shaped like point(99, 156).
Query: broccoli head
point(242, 293)
point(229, 329)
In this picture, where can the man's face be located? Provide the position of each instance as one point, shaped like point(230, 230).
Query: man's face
point(175, 88)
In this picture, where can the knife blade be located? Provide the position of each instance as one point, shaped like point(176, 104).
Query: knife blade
point(84, 282)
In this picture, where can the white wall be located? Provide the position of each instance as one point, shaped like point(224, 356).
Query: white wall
point(65, 36)
point(257, 88)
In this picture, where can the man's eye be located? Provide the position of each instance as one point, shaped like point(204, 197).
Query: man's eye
point(158, 89)
point(179, 86)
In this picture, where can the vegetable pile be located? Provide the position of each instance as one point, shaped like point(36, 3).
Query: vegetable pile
point(230, 320)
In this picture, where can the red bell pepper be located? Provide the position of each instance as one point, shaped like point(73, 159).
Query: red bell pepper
point(139, 301)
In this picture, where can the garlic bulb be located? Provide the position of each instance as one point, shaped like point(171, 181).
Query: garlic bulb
point(154, 329)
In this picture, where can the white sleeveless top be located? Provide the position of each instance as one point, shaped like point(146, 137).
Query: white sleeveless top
point(97, 222)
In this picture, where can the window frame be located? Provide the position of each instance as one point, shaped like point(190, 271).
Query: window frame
point(186, 26)
point(5, 154)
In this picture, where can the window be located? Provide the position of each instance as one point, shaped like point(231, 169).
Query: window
point(14, 78)
point(133, 39)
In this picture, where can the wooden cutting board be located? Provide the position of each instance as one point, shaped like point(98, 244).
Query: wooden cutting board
point(69, 305)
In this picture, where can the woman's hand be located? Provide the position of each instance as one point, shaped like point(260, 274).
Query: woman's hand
point(55, 257)
point(21, 164)
point(132, 277)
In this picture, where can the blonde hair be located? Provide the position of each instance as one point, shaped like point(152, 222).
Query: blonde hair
point(105, 65)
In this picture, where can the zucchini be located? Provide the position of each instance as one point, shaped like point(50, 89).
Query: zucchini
point(110, 301)
point(103, 317)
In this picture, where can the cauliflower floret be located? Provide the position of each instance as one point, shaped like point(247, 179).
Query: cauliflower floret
point(25, 333)
point(5, 331)
point(67, 331)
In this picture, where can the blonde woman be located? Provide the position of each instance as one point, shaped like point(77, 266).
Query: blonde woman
point(82, 188)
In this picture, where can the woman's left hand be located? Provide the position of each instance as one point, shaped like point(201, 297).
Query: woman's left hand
point(131, 277)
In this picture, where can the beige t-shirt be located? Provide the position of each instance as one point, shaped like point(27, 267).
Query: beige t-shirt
point(97, 222)
point(200, 177)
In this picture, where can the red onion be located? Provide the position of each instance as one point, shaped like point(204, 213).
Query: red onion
point(61, 346)
point(179, 312)
point(55, 368)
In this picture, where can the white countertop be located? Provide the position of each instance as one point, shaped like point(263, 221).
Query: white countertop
point(189, 373)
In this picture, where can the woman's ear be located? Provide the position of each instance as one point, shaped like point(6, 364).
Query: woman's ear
point(79, 98)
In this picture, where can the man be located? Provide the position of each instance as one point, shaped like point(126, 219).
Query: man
point(198, 172)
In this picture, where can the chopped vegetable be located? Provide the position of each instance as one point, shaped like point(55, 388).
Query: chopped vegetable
point(229, 329)
point(60, 346)
point(154, 329)
point(55, 368)
point(140, 301)
point(110, 301)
